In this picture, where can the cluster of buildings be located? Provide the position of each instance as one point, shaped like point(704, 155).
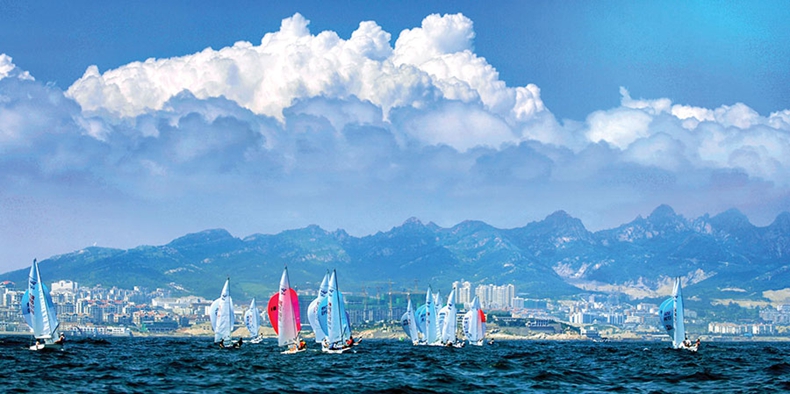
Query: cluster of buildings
point(490, 296)
point(642, 318)
point(93, 310)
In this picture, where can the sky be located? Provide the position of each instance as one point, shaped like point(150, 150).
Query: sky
point(133, 124)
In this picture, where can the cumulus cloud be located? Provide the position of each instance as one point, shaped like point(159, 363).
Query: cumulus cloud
point(428, 65)
point(356, 133)
point(9, 70)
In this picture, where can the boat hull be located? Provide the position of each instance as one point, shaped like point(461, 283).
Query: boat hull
point(692, 348)
point(293, 351)
point(46, 347)
point(335, 351)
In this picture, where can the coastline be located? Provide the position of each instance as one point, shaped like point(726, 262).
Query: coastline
point(203, 331)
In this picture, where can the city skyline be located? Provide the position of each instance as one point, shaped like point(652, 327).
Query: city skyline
point(123, 126)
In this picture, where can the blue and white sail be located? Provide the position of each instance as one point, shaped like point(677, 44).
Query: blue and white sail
point(338, 328)
point(252, 319)
point(409, 324)
point(449, 323)
point(426, 320)
point(221, 315)
point(474, 324)
point(671, 316)
point(38, 309)
point(316, 311)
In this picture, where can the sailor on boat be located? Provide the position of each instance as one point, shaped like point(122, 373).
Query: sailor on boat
point(61, 339)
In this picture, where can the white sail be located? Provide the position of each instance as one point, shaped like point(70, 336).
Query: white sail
point(252, 319)
point(287, 313)
point(440, 314)
point(221, 315)
point(474, 324)
point(431, 332)
point(409, 324)
point(316, 313)
point(680, 327)
point(37, 308)
point(449, 325)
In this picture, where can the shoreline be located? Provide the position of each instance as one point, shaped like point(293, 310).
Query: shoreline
point(383, 335)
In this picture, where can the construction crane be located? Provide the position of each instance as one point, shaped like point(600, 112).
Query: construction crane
point(389, 282)
point(364, 302)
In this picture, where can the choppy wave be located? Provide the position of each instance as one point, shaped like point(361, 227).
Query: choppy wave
point(136, 365)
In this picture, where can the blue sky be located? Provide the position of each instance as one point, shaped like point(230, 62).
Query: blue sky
point(446, 111)
point(579, 52)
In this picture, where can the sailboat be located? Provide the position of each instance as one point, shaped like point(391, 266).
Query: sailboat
point(252, 319)
point(316, 311)
point(671, 318)
point(39, 312)
point(474, 324)
point(222, 319)
point(410, 324)
point(427, 324)
point(338, 334)
point(448, 316)
point(284, 315)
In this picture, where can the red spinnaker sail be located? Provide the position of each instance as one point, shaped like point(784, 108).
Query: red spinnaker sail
point(271, 310)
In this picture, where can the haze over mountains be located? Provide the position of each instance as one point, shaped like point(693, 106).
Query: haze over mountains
point(723, 256)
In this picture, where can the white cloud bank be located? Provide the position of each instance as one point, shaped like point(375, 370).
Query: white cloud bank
point(358, 134)
point(429, 63)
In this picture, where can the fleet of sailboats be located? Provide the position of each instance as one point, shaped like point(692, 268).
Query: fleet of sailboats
point(328, 318)
point(427, 327)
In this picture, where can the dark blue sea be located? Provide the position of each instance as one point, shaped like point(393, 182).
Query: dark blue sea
point(195, 365)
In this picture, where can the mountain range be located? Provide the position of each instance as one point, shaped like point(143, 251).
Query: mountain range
point(719, 257)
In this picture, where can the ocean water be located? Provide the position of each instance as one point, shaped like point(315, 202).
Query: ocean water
point(190, 365)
